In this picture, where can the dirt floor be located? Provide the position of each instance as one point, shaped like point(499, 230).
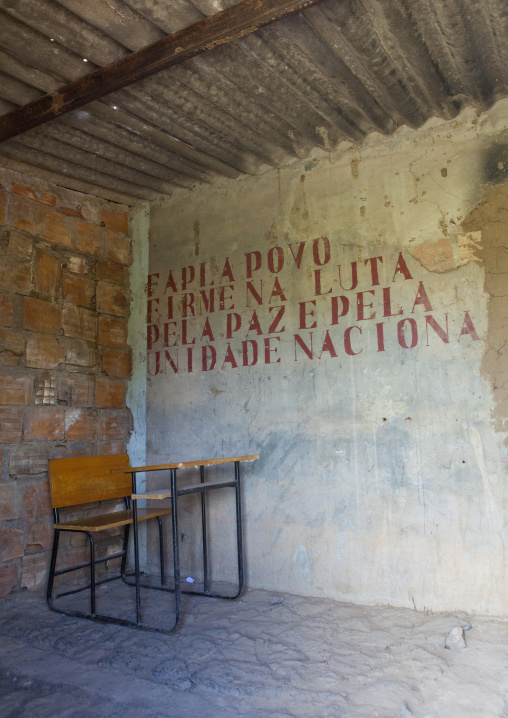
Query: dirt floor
point(262, 655)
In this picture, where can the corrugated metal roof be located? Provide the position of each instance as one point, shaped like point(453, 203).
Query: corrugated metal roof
point(337, 70)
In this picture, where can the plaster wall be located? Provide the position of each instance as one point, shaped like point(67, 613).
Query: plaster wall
point(360, 363)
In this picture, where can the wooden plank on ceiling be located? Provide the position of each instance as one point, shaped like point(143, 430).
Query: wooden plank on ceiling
point(219, 29)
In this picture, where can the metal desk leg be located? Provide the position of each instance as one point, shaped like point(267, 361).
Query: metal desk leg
point(176, 548)
point(203, 531)
point(136, 549)
point(239, 540)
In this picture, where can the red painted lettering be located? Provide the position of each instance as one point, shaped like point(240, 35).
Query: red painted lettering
point(208, 301)
point(170, 284)
point(387, 304)
point(422, 298)
point(223, 297)
point(184, 333)
point(299, 254)
point(233, 324)
point(169, 360)
point(354, 277)
point(275, 259)
point(361, 305)
point(188, 304)
point(254, 325)
point(252, 290)
point(151, 284)
point(402, 268)
point(326, 251)
point(168, 334)
point(271, 350)
point(328, 346)
point(317, 284)
point(308, 350)
point(468, 328)
point(188, 274)
point(229, 358)
point(335, 308)
point(245, 352)
point(204, 358)
point(380, 337)
point(347, 341)
point(401, 333)
point(227, 272)
point(430, 321)
point(278, 318)
point(150, 309)
point(152, 335)
point(373, 268)
point(277, 292)
point(207, 332)
point(253, 262)
point(304, 314)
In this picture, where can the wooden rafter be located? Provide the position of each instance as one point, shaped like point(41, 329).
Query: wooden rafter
point(219, 29)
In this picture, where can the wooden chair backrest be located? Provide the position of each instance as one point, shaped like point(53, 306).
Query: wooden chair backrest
point(85, 479)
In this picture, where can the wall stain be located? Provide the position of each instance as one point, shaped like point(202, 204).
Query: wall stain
point(448, 253)
point(355, 168)
point(196, 237)
point(490, 217)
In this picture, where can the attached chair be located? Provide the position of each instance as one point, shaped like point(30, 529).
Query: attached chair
point(84, 480)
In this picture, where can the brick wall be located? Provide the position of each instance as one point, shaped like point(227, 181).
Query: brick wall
point(64, 359)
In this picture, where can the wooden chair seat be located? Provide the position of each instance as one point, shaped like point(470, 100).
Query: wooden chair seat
point(110, 521)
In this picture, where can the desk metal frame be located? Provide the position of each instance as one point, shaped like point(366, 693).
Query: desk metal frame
point(173, 493)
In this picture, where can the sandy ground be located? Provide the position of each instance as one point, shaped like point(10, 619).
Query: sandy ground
point(262, 655)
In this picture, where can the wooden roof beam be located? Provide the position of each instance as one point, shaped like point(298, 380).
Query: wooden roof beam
point(219, 29)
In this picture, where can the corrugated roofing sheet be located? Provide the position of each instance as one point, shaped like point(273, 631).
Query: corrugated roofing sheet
point(337, 70)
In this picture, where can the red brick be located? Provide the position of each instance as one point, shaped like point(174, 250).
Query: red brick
point(9, 500)
point(15, 275)
point(80, 353)
point(110, 393)
point(39, 533)
point(80, 424)
point(76, 264)
point(111, 272)
point(112, 332)
point(44, 423)
point(30, 193)
point(15, 390)
point(12, 347)
point(111, 300)
point(88, 239)
point(78, 289)
point(115, 425)
point(9, 576)
point(42, 221)
point(46, 273)
point(77, 390)
point(44, 352)
point(20, 247)
point(106, 448)
point(12, 544)
point(117, 221)
point(11, 424)
point(29, 458)
point(35, 569)
point(79, 322)
point(2, 208)
point(116, 362)
point(71, 212)
point(117, 248)
point(6, 310)
point(74, 448)
point(35, 498)
point(40, 316)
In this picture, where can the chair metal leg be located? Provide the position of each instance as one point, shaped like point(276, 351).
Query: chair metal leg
point(204, 532)
point(124, 550)
point(92, 572)
point(161, 550)
point(52, 566)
